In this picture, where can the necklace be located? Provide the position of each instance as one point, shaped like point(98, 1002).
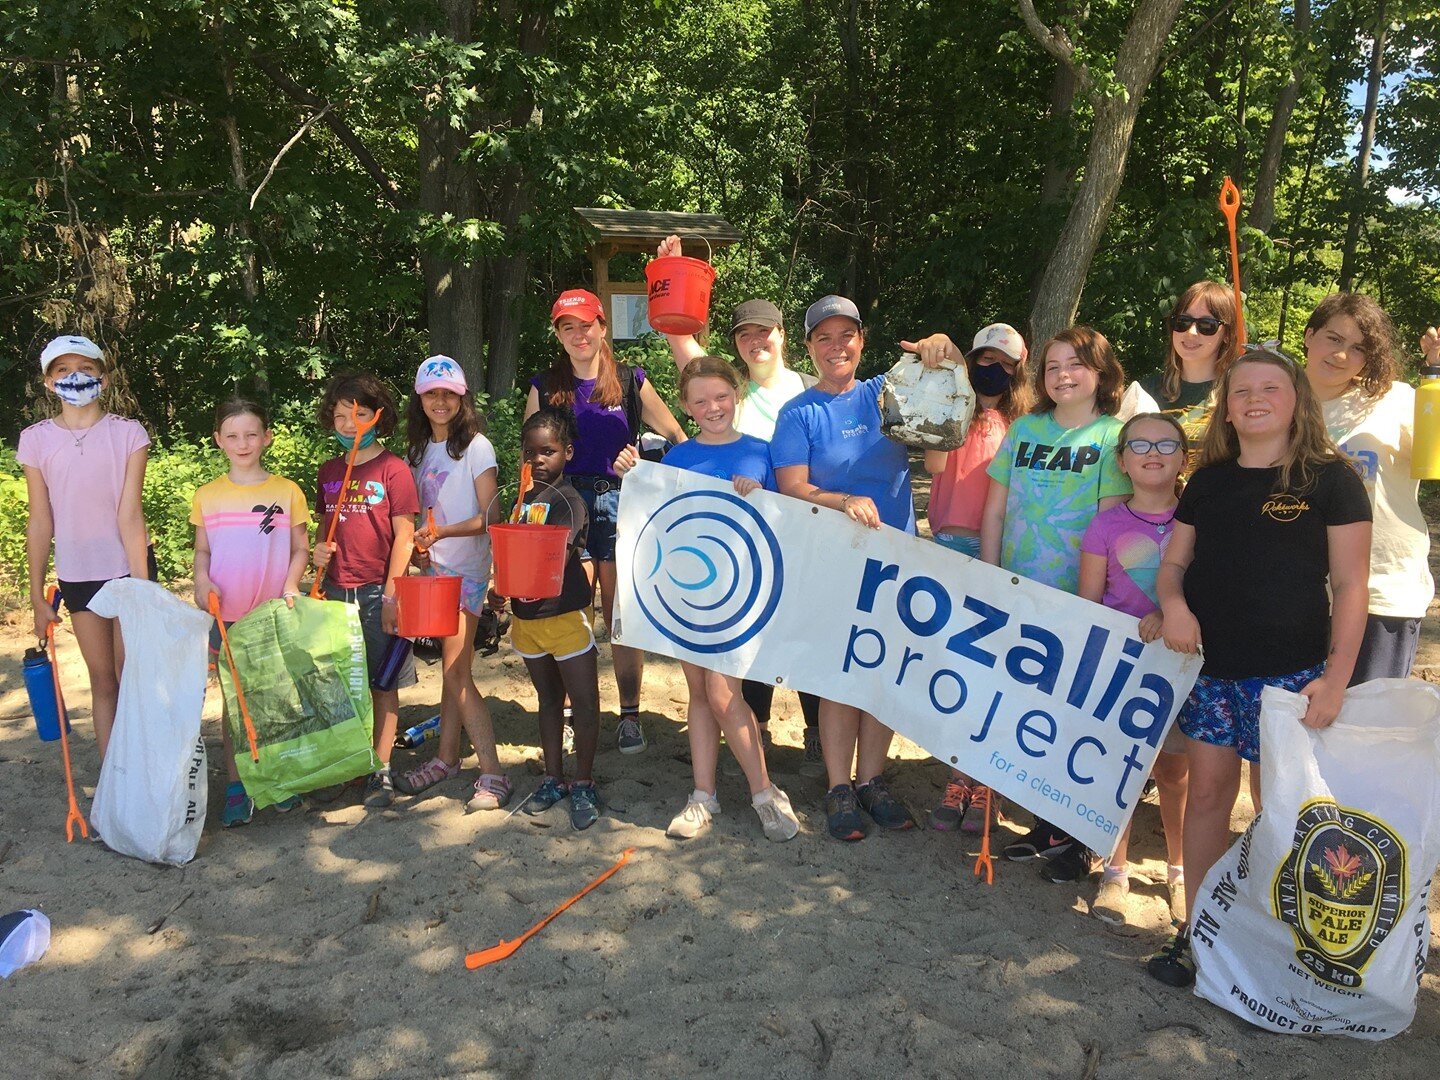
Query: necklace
point(79, 441)
point(1159, 525)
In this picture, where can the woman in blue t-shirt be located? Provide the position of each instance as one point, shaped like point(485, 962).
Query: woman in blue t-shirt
point(829, 449)
point(603, 396)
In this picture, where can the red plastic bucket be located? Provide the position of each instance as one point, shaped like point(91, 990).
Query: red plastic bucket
point(679, 293)
point(529, 559)
point(427, 606)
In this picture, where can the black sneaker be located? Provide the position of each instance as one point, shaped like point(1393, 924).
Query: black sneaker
point(584, 805)
point(551, 791)
point(842, 815)
point(1041, 842)
point(889, 812)
point(1072, 864)
point(1173, 965)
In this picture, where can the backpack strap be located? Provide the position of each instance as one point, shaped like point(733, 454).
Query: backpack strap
point(630, 400)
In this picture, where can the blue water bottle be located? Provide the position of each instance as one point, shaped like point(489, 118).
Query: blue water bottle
point(421, 733)
point(396, 653)
point(40, 685)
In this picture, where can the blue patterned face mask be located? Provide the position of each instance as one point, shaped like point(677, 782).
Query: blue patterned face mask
point(991, 380)
point(78, 388)
point(348, 441)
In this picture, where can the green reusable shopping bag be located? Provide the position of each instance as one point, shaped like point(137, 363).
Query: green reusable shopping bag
point(308, 691)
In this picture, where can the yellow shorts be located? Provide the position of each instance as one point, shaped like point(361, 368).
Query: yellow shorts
point(561, 636)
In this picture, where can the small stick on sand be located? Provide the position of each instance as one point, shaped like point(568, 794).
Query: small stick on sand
point(158, 923)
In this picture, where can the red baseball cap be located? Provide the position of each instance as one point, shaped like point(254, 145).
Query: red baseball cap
point(581, 303)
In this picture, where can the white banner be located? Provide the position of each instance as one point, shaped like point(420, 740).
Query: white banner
point(1051, 700)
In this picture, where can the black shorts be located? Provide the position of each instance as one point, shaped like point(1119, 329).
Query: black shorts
point(78, 594)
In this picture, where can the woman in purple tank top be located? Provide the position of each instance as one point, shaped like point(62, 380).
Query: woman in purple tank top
point(603, 396)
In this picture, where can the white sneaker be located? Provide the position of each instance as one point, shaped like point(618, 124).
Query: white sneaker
point(777, 817)
point(1111, 900)
point(689, 823)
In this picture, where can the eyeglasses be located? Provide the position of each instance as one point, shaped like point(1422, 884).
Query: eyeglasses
point(1144, 446)
point(1207, 326)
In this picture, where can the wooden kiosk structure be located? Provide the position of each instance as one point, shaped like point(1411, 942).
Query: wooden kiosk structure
point(640, 231)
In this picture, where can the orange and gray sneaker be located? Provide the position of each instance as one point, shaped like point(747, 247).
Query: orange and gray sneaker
point(953, 806)
point(974, 821)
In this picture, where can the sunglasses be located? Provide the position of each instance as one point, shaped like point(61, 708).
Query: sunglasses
point(1207, 325)
point(1144, 446)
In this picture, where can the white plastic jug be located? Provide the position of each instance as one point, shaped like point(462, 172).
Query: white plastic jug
point(927, 408)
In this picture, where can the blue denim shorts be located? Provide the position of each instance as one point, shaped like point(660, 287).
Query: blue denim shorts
point(602, 502)
point(1226, 712)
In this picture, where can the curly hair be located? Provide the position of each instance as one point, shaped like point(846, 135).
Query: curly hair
point(559, 422)
point(1377, 338)
point(364, 390)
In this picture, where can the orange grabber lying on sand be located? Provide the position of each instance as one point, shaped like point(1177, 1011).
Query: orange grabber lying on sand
point(234, 676)
point(509, 948)
point(73, 816)
point(1230, 206)
point(318, 586)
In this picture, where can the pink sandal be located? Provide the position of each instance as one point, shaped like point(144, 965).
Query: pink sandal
point(492, 791)
point(426, 776)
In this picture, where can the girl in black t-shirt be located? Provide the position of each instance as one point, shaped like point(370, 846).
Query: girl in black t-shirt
point(1273, 514)
point(553, 635)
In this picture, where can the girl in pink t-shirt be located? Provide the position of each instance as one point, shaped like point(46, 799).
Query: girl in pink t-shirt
point(84, 469)
point(960, 485)
point(251, 545)
point(1120, 555)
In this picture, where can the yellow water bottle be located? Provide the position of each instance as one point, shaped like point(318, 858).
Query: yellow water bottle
point(1425, 456)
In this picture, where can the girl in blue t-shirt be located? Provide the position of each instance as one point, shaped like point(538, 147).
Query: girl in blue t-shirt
point(1055, 469)
point(709, 391)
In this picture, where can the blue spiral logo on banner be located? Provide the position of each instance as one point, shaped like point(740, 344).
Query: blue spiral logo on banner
point(708, 571)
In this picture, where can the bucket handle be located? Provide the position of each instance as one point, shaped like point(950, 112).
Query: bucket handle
point(709, 248)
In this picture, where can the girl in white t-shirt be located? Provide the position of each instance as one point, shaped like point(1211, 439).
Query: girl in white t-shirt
point(455, 474)
point(84, 469)
point(1350, 363)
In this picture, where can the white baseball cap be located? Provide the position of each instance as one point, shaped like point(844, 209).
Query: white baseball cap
point(1001, 336)
point(69, 345)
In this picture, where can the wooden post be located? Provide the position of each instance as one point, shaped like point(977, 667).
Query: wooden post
point(600, 263)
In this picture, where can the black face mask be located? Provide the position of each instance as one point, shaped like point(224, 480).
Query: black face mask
point(989, 380)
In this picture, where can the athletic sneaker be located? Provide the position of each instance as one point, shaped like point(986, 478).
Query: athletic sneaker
point(239, 807)
point(1173, 965)
point(889, 812)
point(953, 804)
point(379, 790)
point(1109, 903)
point(1177, 898)
point(1041, 842)
point(284, 806)
point(814, 762)
point(546, 795)
point(975, 813)
point(584, 805)
point(690, 822)
point(425, 776)
point(777, 816)
point(491, 792)
point(842, 815)
point(629, 735)
point(1072, 864)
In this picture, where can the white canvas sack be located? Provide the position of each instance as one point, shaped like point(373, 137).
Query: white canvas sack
point(1315, 921)
point(150, 799)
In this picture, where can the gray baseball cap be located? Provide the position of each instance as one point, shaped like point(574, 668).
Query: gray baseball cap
point(757, 313)
point(827, 306)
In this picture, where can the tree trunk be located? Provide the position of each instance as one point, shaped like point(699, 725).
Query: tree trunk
point(1058, 296)
point(1262, 199)
point(1367, 141)
point(509, 271)
point(454, 288)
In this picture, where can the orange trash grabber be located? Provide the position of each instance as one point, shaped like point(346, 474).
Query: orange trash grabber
point(526, 483)
point(73, 816)
point(234, 677)
point(508, 948)
point(1230, 206)
point(317, 587)
point(985, 865)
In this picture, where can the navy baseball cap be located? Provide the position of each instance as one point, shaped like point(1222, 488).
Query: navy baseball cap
point(827, 306)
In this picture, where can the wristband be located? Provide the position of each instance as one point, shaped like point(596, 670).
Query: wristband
point(386, 599)
point(844, 502)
